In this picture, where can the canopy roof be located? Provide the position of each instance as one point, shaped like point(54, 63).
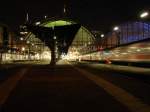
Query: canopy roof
point(57, 23)
point(67, 33)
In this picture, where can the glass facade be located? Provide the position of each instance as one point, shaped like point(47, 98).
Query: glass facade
point(82, 42)
point(128, 33)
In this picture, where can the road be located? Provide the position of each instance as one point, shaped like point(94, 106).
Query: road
point(43, 88)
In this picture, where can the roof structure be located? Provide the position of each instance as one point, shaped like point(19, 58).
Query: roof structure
point(65, 35)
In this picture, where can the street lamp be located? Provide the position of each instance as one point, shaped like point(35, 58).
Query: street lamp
point(102, 35)
point(117, 31)
point(38, 23)
point(21, 38)
point(145, 19)
point(45, 16)
point(116, 28)
point(144, 14)
point(23, 49)
point(54, 37)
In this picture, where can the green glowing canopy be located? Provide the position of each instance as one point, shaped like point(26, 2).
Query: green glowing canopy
point(57, 23)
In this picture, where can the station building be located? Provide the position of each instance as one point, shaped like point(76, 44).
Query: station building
point(69, 46)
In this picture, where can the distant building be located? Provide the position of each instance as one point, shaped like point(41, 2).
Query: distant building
point(130, 32)
point(7, 43)
point(6, 37)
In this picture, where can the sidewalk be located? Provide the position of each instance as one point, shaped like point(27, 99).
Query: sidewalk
point(5, 66)
point(8, 70)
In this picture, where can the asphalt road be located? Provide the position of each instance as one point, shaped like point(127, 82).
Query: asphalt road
point(63, 88)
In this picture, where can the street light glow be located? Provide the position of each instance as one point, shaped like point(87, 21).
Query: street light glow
point(54, 37)
point(138, 50)
point(23, 32)
point(116, 28)
point(38, 23)
point(45, 17)
point(28, 42)
point(102, 35)
point(23, 49)
point(21, 38)
point(144, 14)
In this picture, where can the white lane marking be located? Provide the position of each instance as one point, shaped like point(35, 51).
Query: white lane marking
point(131, 102)
point(7, 86)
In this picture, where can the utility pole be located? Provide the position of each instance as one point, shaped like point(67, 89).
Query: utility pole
point(27, 18)
point(64, 11)
point(65, 8)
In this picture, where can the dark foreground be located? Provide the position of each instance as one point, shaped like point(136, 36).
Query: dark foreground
point(64, 89)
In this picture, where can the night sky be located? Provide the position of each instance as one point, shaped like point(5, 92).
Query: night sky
point(97, 14)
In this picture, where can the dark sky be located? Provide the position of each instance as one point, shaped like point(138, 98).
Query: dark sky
point(97, 14)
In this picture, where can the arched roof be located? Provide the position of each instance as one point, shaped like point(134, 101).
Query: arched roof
point(82, 37)
point(57, 23)
point(64, 22)
point(61, 22)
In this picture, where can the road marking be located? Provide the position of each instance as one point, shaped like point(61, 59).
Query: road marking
point(132, 103)
point(7, 86)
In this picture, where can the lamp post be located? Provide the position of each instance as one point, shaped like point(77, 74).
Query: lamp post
point(145, 15)
point(23, 50)
point(116, 29)
point(28, 44)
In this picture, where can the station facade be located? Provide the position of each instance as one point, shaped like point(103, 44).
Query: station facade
point(82, 38)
